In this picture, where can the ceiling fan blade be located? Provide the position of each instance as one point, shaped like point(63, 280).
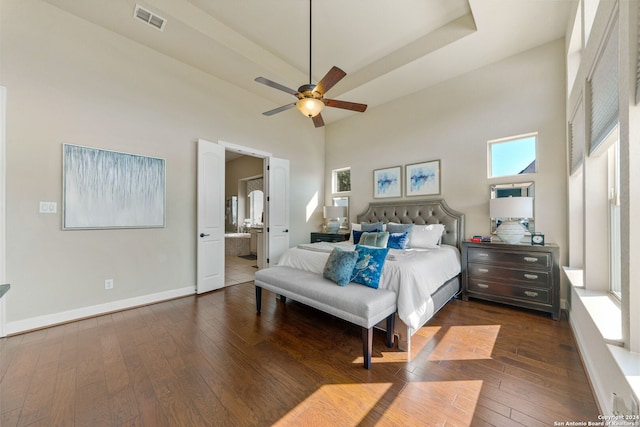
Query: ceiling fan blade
point(279, 109)
point(275, 85)
point(317, 121)
point(353, 106)
point(334, 75)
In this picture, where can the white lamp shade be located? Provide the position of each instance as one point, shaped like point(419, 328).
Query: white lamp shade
point(333, 212)
point(511, 207)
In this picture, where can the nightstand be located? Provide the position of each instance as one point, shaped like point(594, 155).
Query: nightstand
point(520, 275)
point(329, 237)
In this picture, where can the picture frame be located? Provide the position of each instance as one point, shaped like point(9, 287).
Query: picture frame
point(104, 189)
point(387, 182)
point(423, 179)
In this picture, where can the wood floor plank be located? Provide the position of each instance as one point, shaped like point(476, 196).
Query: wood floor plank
point(210, 360)
point(63, 403)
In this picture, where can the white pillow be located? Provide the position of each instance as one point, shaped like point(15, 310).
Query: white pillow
point(426, 236)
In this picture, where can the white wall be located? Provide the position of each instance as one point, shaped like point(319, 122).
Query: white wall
point(70, 81)
point(453, 122)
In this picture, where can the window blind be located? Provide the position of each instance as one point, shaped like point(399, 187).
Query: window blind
point(604, 90)
point(577, 136)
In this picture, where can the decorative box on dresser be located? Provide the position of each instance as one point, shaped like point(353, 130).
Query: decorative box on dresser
point(521, 275)
point(329, 237)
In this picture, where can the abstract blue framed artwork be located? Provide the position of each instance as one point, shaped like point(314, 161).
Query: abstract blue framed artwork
point(387, 182)
point(423, 179)
point(110, 189)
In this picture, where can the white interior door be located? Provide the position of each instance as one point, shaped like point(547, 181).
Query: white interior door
point(277, 208)
point(211, 173)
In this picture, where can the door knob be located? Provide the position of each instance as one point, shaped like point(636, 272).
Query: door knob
point(203, 235)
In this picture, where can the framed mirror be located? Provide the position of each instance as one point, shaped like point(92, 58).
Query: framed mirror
point(343, 201)
point(518, 189)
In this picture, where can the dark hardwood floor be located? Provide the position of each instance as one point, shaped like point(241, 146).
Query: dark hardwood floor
point(209, 360)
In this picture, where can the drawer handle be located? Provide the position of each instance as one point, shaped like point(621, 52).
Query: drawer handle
point(483, 270)
point(482, 286)
point(530, 259)
point(483, 254)
point(531, 294)
point(531, 276)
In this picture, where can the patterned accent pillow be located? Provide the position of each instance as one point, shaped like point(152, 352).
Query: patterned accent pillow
point(339, 266)
point(398, 240)
point(378, 239)
point(368, 269)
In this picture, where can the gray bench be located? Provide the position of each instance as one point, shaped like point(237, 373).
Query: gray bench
point(354, 303)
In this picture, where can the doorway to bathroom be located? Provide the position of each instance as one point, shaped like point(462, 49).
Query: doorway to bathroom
point(212, 196)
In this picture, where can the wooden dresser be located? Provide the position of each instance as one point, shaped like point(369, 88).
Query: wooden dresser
point(521, 275)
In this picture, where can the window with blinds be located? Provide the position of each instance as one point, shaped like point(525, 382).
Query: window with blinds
point(577, 136)
point(603, 86)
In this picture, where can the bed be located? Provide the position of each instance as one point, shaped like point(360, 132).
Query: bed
point(423, 279)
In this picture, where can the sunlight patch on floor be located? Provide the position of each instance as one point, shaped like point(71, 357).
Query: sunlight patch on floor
point(466, 343)
point(441, 402)
point(336, 404)
point(418, 342)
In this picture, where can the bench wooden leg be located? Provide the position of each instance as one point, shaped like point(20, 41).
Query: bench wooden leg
point(391, 326)
point(258, 299)
point(367, 346)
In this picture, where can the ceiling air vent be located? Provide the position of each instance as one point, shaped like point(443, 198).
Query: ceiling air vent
point(149, 18)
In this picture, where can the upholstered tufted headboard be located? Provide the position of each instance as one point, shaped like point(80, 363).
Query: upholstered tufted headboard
point(434, 211)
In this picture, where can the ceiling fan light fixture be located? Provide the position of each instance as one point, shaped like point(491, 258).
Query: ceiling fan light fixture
point(310, 96)
point(310, 107)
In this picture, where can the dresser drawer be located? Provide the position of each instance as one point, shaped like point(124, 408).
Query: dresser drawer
point(527, 277)
point(516, 259)
point(519, 292)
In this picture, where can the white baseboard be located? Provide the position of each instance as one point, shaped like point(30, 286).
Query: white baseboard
point(39, 322)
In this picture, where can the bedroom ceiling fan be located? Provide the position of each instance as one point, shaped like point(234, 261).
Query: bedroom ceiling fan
point(311, 100)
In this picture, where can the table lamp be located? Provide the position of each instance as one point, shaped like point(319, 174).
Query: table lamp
point(511, 210)
point(333, 215)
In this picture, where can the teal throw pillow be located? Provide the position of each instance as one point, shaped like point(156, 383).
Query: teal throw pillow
point(378, 239)
point(368, 269)
point(339, 266)
point(398, 240)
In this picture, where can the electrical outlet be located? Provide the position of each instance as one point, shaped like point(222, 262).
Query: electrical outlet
point(48, 207)
point(108, 284)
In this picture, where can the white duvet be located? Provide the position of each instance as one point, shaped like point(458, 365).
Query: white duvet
point(413, 274)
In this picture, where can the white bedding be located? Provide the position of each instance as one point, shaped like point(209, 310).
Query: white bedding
point(413, 274)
